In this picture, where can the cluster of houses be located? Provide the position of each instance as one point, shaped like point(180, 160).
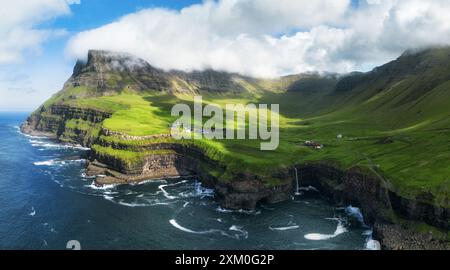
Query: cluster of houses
point(318, 146)
point(314, 145)
point(199, 131)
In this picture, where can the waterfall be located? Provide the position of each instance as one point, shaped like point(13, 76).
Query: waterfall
point(296, 182)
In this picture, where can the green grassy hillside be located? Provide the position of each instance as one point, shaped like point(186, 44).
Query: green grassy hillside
point(394, 120)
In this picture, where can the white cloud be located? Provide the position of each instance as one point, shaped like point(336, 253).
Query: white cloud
point(25, 80)
point(269, 38)
point(232, 35)
point(19, 21)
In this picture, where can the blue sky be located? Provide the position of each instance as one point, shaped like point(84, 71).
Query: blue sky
point(30, 81)
point(41, 39)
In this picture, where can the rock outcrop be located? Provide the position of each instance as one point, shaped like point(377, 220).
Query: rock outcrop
point(53, 122)
point(113, 72)
point(106, 73)
point(383, 209)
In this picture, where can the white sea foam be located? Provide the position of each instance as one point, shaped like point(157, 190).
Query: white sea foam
point(355, 212)
point(84, 175)
point(102, 187)
point(240, 211)
point(53, 162)
point(309, 188)
point(293, 227)
point(33, 212)
point(42, 142)
point(174, 223)
point(202, 191)
point(44, 163)
point(239, 229)
point(149, 181)
point(373, 245)
point(133, 204)
point(28, 135)
point(165, 193)
point(108, 197)
point(320, 237)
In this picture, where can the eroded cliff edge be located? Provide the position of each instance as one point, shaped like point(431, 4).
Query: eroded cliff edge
point(398, 223)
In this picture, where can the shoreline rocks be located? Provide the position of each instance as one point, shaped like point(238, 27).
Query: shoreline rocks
point(380, 205)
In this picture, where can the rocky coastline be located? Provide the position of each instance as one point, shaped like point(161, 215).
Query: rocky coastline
point(392, 217)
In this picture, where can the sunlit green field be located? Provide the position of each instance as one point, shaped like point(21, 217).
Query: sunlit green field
point(397, 130)
point(411, 154)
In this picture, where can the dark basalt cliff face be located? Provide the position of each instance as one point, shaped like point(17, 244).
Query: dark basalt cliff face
point(52, 122)
point(244, 191)
point(112, 72)
point(109, 72)
point(211, 81)
point(383, 209)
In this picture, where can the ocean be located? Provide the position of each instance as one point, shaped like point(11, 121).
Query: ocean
point(46, 201)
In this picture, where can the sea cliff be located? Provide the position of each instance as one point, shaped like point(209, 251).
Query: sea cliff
point(119, 107)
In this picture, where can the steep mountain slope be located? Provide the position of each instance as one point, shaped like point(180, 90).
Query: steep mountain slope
point(385, 132)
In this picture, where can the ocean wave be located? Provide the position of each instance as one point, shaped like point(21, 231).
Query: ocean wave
point(165, 193)
point(33, 212)
point(175, 224)
point(54, 162)
point(242, 233)
point(44, 163)
point(202, 191)
point(102, 187)
point(293, 227)
point(199, 191)
point(240, 211)
point(340, 229)
point(45, 143)
point(308, 188)
point(134, 204)
point(373, 245)
point(28, 135)
point(85, 176)
point(108, 197)
point(355, 213)
point(163, 181)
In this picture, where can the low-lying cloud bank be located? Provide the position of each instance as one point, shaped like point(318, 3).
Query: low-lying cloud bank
point(269, 38)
